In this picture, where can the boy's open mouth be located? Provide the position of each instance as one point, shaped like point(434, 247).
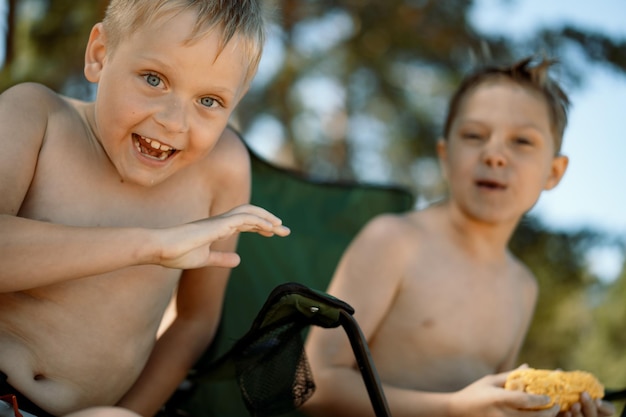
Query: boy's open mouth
point(492, 185)
point(152, 148)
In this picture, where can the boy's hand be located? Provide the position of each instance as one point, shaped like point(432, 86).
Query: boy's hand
point(487, 397)
point(189, 246)
point(588, 407)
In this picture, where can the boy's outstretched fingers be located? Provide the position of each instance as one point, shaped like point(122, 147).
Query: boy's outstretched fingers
point(274, 225)
point(189, 246)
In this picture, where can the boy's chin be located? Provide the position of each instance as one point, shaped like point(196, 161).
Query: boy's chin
point(144, 179)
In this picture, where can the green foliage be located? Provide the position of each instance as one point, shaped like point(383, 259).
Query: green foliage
point(601, 345)
point(49, 42)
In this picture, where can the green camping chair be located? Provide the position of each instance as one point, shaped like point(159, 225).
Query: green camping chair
point(324, 217)
point(269, 363)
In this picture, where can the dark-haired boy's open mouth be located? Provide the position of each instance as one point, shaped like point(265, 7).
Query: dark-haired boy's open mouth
point(491, 185)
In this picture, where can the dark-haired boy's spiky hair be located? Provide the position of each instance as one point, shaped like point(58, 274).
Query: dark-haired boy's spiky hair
point(528, 74)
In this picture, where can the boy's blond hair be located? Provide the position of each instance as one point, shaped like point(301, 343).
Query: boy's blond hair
point(528, 74)
point(244, 19)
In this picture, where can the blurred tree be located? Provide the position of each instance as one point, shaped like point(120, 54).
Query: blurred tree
point(601, 342)
point(357, 89)
point(48, 40)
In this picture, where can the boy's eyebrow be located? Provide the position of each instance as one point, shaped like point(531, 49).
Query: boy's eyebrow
point(533, 126)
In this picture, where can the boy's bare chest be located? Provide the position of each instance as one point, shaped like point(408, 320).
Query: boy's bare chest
point(458, 317)
point(84, 190)
point(464, 307)
point(450, 324)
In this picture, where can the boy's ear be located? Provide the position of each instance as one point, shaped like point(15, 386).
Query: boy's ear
point(557, 170)
point(95, 53)
point(442, 153)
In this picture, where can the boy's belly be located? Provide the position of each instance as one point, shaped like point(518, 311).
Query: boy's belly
point(66, 349)
point(437, 373)
point(433, 374)
point(60, 391)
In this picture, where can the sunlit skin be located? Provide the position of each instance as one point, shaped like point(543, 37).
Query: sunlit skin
point(500, 154)
point(98, 232)
point(442, 302)
point(159, 90)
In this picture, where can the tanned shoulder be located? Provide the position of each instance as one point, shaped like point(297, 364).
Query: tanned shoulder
point(389, 234)
point(229, 175)
point(25, 111)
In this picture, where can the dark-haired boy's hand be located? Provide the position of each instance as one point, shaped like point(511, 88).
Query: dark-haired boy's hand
point(588, 407)
point(487, 397)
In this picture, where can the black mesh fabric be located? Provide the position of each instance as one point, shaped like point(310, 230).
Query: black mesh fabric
point(269, 361)
point(273, 372)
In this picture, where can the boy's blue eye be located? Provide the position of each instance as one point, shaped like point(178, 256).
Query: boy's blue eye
point(153, 80)
point(207, 101)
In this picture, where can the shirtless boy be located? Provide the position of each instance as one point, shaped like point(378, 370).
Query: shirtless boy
point(442, 302)
point(110, 207)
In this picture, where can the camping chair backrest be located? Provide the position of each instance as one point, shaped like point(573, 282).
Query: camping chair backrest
point(324, 217)
point(269, 362)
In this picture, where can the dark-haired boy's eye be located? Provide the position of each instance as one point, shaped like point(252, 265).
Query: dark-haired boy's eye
point(523, 141)
point(470, 135)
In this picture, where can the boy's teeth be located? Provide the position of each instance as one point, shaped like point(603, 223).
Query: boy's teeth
point(155, 144)
point(153, 148)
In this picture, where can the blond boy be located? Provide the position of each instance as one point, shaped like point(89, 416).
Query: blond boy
point(443, 303)
point(110, 207)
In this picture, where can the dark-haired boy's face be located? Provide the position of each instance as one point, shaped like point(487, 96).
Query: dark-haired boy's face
point(162, 102)
point(500, 152)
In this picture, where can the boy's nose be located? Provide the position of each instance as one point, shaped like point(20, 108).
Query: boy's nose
point(173, 116)
point(494, 155)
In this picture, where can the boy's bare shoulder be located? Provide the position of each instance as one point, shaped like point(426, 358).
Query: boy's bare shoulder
point(35, 96)
point(27, 108)
point(410, 223)
point(394, 231)
point(229, 159)
point(230, 149)
point(228, 171)
point(389, 224)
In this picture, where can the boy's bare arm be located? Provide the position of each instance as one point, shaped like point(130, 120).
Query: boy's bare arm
point(529, 295)
point(35, 253)
point(199, 303)
point(347, 397)
point(339, 386)
point(199, 297)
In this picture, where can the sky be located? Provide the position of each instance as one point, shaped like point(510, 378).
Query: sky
point(591, 193)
